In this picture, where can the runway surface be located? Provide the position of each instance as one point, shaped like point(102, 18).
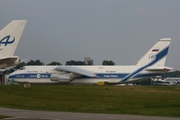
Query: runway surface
point(46, 115)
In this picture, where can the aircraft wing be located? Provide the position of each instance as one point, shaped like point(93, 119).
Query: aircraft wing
point(76, 70)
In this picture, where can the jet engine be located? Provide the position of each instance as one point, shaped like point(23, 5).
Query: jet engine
point(60, 78)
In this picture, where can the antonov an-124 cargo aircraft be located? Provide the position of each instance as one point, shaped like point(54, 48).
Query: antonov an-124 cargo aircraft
point(151, 64)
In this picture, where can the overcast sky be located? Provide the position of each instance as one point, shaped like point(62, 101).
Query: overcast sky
point(118, 30)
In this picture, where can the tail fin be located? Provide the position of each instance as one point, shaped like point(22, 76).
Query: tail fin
point(156, 56)
point(10, 36)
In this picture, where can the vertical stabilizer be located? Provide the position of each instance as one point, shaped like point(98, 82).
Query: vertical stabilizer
point(10, 36)
point(156, 56)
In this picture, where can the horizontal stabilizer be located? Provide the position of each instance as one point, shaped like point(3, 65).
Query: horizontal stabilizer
point(2, 70)
point(8, 59)
point(159, 69)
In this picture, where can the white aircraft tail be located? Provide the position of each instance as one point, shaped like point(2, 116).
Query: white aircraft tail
point(10, 36)
point(156, 56)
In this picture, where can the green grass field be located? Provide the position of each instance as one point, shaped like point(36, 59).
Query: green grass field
point(134, 100)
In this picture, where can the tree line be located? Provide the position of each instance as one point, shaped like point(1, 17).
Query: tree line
point(71, 62)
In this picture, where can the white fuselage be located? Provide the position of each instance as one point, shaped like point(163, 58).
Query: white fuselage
point(110, 74)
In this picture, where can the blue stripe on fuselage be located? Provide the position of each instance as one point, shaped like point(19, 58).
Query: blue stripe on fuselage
point(30, 75)
point(101, 76)
point(119, 76)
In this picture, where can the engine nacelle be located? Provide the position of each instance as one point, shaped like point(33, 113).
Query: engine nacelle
point(60, 78)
